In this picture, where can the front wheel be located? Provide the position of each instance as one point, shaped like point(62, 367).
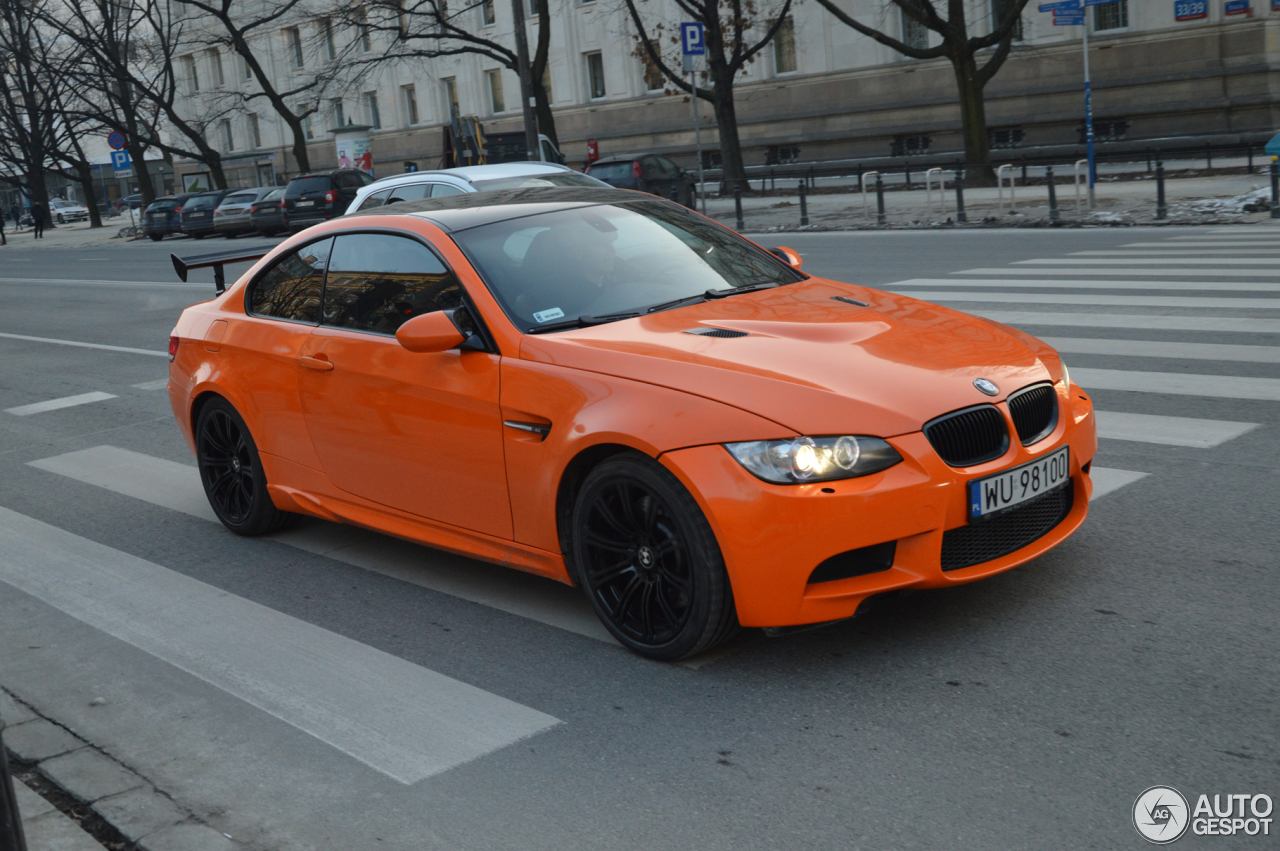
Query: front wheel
point(61, 220)
point(648, 560)
point(232, 473)
point(156, 237)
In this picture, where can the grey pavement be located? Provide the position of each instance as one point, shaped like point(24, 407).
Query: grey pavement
point(1025, 711)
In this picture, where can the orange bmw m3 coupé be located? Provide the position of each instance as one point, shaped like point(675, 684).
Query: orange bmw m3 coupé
point(609, 390)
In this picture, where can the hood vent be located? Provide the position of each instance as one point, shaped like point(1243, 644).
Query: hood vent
point(853, 301)
point(715, 332)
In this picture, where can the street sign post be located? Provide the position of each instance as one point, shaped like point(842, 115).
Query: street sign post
point(692, 44)
point(116, 140)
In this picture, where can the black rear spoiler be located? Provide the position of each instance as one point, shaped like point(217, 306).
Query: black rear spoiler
point(183, 265)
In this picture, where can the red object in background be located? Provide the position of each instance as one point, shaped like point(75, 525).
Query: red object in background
point(593, 150)
point(635, 170)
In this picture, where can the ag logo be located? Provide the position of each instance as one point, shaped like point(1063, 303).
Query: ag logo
point(1160, 814)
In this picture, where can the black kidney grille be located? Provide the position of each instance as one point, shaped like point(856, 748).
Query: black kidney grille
point(970, 436)
point(990, 539)
point(716, 332)
point(1035, 412)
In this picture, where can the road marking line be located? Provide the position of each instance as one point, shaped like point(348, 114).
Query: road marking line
point(1089, 298)
point(1143, 261)
point(1179, 383)
point(1169, 431)
point(400, 719)
point(85, 345)
point(1178, 253)
point(177, 487)
point(1202, 244)
point(1224, 324)
point(1160, 272)
point(1107, 480)
point(1154, 349)
point(75, 283)
point(1038, 283)
point(59, 404)
point(158, 384)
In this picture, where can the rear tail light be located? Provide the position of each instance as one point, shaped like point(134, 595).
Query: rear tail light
point(281, 206)
point(173, 347)
point(330, 196)
point(635, 170)
point(177, 209)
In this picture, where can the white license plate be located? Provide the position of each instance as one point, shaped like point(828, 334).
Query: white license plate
point(306, 203)
point(992, 495)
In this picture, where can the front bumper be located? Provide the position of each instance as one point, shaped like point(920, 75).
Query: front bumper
point(773, 536)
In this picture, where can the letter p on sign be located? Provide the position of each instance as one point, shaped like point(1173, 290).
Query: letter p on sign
point(691, 39)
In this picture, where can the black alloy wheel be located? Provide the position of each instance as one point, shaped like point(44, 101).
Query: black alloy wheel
point(156, 237)
point(649, 562)
point(231, 472)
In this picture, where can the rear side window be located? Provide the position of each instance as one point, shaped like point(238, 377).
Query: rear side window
point(411, 192)
point(377, 199)
point(306, 184)
point(291, 288)
point(439, 190)
point(377, 281)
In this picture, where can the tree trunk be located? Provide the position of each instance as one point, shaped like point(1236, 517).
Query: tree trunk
point(299, 143)
point(84, 173)
point(542, 98)
point(217, 176)
point(37, 190)
point(542, 109)
point(733, 170)
point(138, 156)
point(973, 117)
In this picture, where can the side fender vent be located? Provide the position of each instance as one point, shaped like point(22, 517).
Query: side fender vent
point(715, 332)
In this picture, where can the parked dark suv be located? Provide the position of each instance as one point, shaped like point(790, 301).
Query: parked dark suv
point(164, 216)
point(647, 173)
point(197, 213)
point(267, 213)
point(313, 198)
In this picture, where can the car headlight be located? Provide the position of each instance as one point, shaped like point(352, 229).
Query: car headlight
point(814, 459)
point(1066, 376)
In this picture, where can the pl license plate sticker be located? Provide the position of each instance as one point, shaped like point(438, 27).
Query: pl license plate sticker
point(306, 203)
point(548, 315)
point(995, 494)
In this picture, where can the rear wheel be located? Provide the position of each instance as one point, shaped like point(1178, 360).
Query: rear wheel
point(156, 237)
point(649, 562)
point(232, 474)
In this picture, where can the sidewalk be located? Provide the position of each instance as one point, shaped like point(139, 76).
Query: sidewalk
point(71, 235)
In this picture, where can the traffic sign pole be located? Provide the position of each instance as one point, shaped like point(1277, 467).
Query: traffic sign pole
point(1088, 120)
point(691, 45)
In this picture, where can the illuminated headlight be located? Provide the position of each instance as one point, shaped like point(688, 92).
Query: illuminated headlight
point(814, 459)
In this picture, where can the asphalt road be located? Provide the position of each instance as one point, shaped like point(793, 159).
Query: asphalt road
point(1024, 711)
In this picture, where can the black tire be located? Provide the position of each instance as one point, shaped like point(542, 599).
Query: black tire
point(649, 562)
point(231, 472)
point(61, 220)
point(156, 237)
point(198, 235)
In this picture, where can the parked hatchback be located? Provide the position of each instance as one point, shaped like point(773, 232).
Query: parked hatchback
point(267, 213)
point(650, 173)
point(231, 218)
point(164, 216)
point(313, 198)
point(197, 213)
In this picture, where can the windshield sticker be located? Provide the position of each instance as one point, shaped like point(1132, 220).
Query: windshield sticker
point(548, 315)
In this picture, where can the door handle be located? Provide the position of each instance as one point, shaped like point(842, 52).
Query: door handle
point(316, 363)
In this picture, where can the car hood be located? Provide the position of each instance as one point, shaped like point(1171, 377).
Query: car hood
point(809, 362)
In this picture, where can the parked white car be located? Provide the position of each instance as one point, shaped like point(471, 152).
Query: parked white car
point(475, 178)
point(66, 211)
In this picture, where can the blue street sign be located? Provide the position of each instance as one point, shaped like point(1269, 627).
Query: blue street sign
point(1190, 10)
point(1273, 147)
point(1068, 20)
point(116, 139)
point(120, 160)
point(1236, 7)
point(1061, 6)
point(691, 40)
point(1099, 2)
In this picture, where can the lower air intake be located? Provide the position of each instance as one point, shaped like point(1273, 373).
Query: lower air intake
point(988, 540)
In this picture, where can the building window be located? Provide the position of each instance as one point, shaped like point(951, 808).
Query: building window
point(1111, 16)
point(402, 21)
point(1004, 137)
point(326, 34)
point(1000, 8)
point(595, 75)
point(362, 29)
point(1111, 130)
point(546, 82)
point(654, 79)
point(308, 131)
point(293, 38)
point(215, 63)
point(495, 91)
point(255, 131)
point(244, 67)
point(228, 139)
point(451, 98)
point(410, 95)
point(784, 47)
point(909, 146)
point(339, 114)
point(192, 73)
point(371, 106)
point(711, 159)
point(914, 33)
point(780, 154)
point(488, 15)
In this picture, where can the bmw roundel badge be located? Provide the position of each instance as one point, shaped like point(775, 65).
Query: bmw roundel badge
point(986, 386)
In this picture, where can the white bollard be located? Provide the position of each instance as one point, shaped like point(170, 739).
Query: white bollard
point(1013, 204)
point(865, 175)
point(1076, 170)
point(928, 191)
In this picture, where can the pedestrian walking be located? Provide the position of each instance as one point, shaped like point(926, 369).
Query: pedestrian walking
point(17, 216)
point(3, 241)
point(38, 216)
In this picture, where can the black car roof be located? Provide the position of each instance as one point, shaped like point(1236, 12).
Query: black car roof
point(453, 213)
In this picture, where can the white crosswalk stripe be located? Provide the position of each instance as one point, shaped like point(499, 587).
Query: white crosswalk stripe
point(1097, 269)
point(1153, 349)
point(1171, 431)
point(1174, 252)
point(1206, 324)
point(1102, 300)
point(1142, 261)
point(59, 404)
point(1108, 284)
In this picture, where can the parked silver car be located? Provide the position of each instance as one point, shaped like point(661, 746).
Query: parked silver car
point(231, 218)
point(474, 178)
point(67, 211)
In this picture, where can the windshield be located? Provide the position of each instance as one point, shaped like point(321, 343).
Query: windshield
point(201, 201)
point(609, 259)
point(162, 205)
point(307, 184)
point(566, 178)
point(243, 198)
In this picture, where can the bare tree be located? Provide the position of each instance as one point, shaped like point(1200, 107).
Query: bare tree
point(961, 50)
point(27, 124)
point(429, 29)
point(735, 31)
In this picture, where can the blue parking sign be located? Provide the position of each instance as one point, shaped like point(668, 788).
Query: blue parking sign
point(691, 40)
point(120, 160)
